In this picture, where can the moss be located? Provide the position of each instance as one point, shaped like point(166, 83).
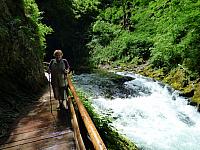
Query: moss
point(156, 74)
point(196, 97)
point(180, 79)
point(21, 53)
point(176, 78)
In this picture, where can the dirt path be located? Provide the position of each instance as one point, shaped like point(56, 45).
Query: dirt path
point(40, 129)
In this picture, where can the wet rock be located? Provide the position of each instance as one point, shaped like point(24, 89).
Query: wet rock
point(173, 98)
point(122, 79)
point(192, 103)
point(187, 94)
point(185, 119)
point(161, 84)
point(198, 108)
point(169, 89)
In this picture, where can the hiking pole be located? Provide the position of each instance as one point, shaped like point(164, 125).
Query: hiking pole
point(50, 92)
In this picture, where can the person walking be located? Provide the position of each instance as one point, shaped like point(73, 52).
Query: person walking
point(59, 68)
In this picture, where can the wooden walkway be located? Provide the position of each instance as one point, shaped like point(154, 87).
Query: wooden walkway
point(42, 130)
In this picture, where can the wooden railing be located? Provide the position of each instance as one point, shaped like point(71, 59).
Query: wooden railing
point(92, 131)
point(77, 134)
point(95, 138)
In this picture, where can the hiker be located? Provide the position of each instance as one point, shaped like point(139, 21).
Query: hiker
point(59, 68)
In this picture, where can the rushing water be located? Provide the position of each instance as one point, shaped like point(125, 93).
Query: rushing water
point(146, 111)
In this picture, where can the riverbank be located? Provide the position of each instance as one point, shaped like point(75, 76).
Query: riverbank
point(178, 78)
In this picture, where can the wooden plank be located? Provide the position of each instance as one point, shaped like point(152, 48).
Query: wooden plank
point(42, 142)
point(41, 129)
point(35, 133)
point(44, 139)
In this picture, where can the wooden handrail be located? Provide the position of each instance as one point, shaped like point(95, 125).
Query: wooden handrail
point(79, 140)
point(92, 131)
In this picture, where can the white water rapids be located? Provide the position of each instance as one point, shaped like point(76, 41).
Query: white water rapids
point(160, 120)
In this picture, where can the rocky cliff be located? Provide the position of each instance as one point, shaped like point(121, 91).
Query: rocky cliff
point(22, 43)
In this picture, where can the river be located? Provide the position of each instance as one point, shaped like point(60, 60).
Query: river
point(151, 114)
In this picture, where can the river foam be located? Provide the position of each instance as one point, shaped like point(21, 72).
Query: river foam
point(160, 120)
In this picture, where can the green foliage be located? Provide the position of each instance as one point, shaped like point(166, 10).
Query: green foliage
point(114, 44)
point(84, 7)
point(105, 32)
point(112, 15)
point(165, 32)
point(177, 32)
point(32, 12)
point(22, 38)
